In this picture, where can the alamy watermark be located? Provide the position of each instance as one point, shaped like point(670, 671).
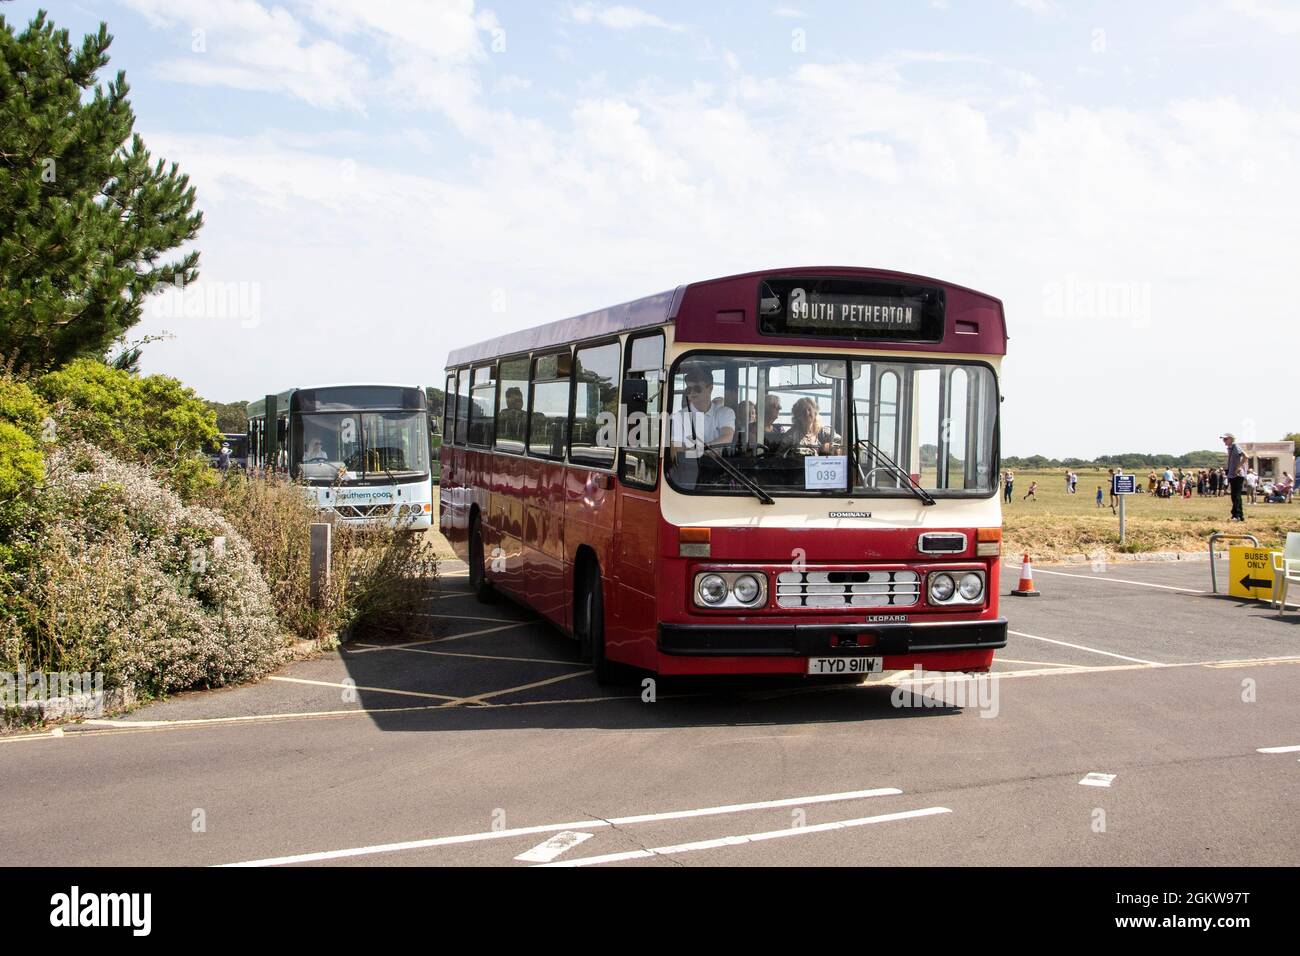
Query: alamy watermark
point(209, 300)
point(979, 691)
point(82, 693)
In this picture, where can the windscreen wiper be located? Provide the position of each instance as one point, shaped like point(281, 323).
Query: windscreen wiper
point(750, 484)
point(890, 464)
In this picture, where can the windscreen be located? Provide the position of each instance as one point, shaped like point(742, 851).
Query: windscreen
point(346, 446)
point(798, 425)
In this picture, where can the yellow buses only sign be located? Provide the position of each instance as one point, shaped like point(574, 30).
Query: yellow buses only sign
point(1250, 573)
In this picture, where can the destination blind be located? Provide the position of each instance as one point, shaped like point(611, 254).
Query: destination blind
point(851, 309)
point(852, 312)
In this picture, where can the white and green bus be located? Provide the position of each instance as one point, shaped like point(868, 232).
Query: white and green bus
point(361, 450)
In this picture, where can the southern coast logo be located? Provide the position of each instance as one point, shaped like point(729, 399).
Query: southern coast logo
point(134, 910)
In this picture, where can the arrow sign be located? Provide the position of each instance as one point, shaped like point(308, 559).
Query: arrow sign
point(1251, 584)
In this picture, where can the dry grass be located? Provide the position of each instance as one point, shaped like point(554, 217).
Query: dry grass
point(380, 575)
point(1059, 526)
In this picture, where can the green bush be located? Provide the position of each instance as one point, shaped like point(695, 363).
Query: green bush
point(22, 417)
point(154, 419)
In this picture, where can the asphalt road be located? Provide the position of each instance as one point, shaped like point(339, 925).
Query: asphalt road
point(485, 741)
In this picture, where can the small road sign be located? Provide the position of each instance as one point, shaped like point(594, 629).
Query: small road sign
point(1125, 484)
point(1250, 573)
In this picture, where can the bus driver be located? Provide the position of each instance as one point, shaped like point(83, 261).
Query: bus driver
point(704, 422)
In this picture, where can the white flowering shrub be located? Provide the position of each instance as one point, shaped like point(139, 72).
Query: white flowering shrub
point(117, 574)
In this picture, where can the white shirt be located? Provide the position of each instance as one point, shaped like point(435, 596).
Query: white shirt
point(690, 426)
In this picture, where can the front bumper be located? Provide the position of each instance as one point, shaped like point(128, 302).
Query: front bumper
point(815, 640)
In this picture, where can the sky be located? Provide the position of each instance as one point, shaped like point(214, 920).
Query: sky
point(385, 181)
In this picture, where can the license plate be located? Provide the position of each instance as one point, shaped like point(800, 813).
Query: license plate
point(845, 665)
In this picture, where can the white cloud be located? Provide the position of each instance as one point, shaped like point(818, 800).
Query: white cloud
point(372, 272)
point(245, 45)
point(1278, 19)
point(789, 13)
point(619, 17)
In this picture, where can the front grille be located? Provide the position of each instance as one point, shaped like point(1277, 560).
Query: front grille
point(847, 589)
point(364, 511)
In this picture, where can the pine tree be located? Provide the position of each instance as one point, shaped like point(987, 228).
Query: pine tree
point(87, 218)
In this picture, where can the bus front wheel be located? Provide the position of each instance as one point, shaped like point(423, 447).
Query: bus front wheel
point(591, 632)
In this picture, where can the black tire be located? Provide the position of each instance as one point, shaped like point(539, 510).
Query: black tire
point(478, 579)
point(591, 633)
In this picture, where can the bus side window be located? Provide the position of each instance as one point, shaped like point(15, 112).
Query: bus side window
point(512, 409)
point(643, 404)
point(549, 405)
point(462, 406)
point(448, 428)
point(483, 397)
point(595, 406)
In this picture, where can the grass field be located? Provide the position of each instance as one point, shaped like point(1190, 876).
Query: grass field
point(1059, 525)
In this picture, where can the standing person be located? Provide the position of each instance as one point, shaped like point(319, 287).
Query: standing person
point(1067, 481)
point(223, 457)
point(1033, 491)
point(1114, 498)
point(1099, 496)
point(1236, 473)
point(1074, 483)
point(1008, 482)
point(1252, 484)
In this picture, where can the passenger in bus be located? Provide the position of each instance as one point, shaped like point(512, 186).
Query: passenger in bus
point(703, 422)
point(807, 435)
point(772, 430)
point(747, 424)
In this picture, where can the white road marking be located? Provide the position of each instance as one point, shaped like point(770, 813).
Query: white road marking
point(749, 838)
point(470, 617)
point(1279, 750)
point(897, 678)
point(479, 698)
point(1012, 660)
point(1100, 577)
point(547, 851)
point(1097, 780)
point(371, 648)
point(483, 657)
point(572, 825)
point(1081, 647)
point(377, 690)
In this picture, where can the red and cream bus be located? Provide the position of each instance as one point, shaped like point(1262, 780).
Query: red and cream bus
point(790, 472)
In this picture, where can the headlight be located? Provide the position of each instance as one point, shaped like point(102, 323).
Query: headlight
point(713, 589)
point(941, 587)
point(746, 588)
point(971, 586)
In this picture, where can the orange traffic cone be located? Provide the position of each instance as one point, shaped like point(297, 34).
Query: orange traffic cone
point(1026, 586)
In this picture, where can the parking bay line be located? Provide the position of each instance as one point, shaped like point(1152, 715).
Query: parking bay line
point(1099, 577)
point(480, 698)
point(572, 825)
point(482, 657)
point(719, 842)
point(1080, 647)
point(106, 726)
point(370, 648)
point(1279, 750)
point(377, 690)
